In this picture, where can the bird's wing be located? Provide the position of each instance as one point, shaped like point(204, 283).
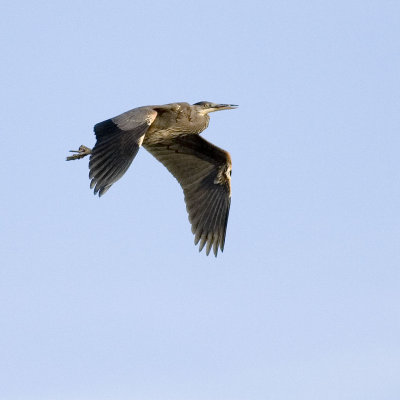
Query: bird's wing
point(118, 141)
point(203, 170)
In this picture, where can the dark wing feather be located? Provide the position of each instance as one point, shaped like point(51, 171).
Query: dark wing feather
point(118, 141)
point(203, 171)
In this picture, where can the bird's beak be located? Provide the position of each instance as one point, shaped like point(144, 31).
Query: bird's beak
point(219, 107)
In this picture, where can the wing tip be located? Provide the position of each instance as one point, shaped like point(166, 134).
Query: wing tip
point(211, 241)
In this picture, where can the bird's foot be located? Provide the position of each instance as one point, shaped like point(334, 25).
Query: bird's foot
point(82, 152)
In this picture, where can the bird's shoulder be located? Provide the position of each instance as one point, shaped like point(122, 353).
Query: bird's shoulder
point(172, 107)
point(135, 117)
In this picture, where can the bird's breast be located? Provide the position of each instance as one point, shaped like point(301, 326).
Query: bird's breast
point(167, 127)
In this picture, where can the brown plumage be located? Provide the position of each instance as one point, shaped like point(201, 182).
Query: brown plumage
point(171, 134)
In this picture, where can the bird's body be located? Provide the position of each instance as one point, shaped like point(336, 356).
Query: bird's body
point(173, 119)
point(171, 134)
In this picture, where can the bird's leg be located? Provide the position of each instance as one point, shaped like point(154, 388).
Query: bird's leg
point(82, 152)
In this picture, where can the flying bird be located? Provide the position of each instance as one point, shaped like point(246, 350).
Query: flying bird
point(170, 133)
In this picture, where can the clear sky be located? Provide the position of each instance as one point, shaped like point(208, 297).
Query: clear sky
point(108, 299)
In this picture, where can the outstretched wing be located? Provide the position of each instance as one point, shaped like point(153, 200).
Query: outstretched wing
point(118, 141)
point(203, 170)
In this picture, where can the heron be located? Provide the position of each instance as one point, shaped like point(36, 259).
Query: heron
point(170, 133)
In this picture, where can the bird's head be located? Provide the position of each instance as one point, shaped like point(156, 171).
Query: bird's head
point(205, 107)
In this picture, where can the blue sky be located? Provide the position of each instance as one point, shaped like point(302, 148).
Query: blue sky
point(109, 298)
